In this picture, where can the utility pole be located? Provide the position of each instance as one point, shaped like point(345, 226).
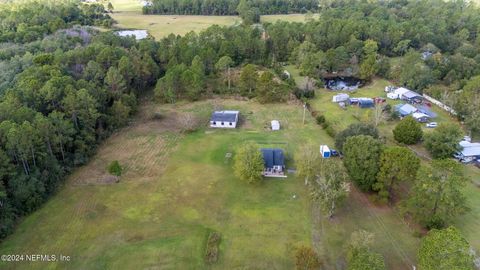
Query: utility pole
point(304, 108)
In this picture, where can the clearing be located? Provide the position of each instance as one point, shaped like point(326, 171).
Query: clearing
point(128, 14)
point(178, 187)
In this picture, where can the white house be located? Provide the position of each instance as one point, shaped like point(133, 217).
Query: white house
point(275, 125)
point(224, 119)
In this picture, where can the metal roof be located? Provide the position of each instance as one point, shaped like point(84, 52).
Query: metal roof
point(470, 149)
point(273, 157)
point(224, 116)
point(411, 94)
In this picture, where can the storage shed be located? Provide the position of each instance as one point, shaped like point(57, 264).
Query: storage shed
point(275, 125)
point(340, 98)
point(325, 151)
point(366, 103)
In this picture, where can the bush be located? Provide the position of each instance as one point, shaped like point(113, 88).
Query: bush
point(320, 119)
point(331, 131)
point(114, 168)
point(303, 93)
point(354, 130)
point(408, 131)
point(306, 259)
point(211, 251)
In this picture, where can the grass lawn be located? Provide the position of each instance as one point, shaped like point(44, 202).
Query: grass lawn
point(161, 26)
point(469, 223)
point(178, 187)
point(128, 14)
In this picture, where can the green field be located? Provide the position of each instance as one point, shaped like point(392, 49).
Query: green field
point(128, 14)
point(340, 119)
point(178, 187)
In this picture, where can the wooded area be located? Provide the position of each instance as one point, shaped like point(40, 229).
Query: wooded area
point(65, 88)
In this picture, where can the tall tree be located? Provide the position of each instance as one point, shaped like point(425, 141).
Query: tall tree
point(436, 197)
point(359, 253)
point(248, 80)
point(397, 164)
point(354, 130)
point(224, 64)
point(443, 142)
point(248, 163)
point(307, 162)
point(330, 187)
point(444, 250)
point(361, 158)
point(408, 131)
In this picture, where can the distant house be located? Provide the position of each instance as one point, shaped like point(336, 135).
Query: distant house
point(405, 94)
point(366, 103)
point(405, 109)
point(421, 117)
point(470, 151)
point(224, 119)
point(274, 161)
point(340, 98)
point(412, 97)
point(275, 125)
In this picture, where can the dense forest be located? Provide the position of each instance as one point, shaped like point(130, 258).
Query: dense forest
point(65, 87)
point(228, 7)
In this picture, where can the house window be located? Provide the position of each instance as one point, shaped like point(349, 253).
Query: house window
point(230, 123)
point(222, 123)
point(214, 122)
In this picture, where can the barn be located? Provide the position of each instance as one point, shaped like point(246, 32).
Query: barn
point(224, 119)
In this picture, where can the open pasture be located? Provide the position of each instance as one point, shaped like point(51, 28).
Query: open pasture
point(177, 188)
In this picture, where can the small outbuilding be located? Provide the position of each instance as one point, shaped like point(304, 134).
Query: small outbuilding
point(470, 151)
point(366, 103)
point(405, 109)
point(275, 125)
point(274, 162)
point(340, 98)
point(224, 119)
point(325, 151)
point(421, 117)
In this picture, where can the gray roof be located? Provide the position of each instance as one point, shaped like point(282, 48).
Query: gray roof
point(470, 149)
point(405, 109)
point(411, 94)
point(224, 116)
point(273, 157)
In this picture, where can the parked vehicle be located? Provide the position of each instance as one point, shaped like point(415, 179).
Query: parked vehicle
point(432, 125)
point(334, 153)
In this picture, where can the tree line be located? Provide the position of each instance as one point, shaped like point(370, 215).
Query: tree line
point(31, 21)
point(60, 106)
point(228, 7)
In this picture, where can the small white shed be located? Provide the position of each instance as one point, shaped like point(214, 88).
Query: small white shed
point(275, 125)
point(325, 151)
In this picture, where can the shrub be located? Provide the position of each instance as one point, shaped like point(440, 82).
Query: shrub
point(408, 131)
point(212, 250)
point(114, 168)
point(320, 119)
point(354, 130)
point(306, 259)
